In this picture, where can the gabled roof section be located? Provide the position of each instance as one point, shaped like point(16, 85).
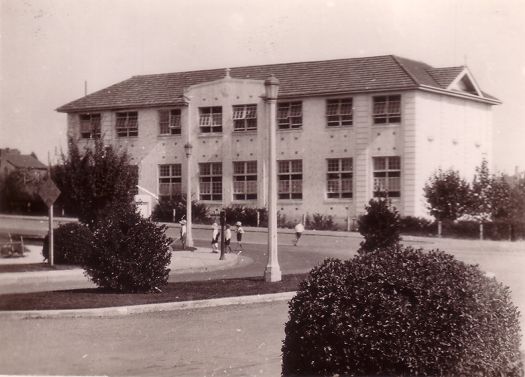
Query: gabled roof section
point(357, 75)
point(24, 161)
point(465, 82)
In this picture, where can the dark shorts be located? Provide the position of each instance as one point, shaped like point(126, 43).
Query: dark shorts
point(239, 237)
point(227, 242)
point(298, 234)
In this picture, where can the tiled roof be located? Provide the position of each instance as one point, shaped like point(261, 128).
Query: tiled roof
point(380, 73)
point(24, 161)
point(444, 76)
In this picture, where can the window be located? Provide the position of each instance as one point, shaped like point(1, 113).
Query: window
point(169, 122)
point(245, 180)
point(244, 117)
point(290, 177)
point(387, 109)
point(210, 179)
point(387, 176)
point(127, 124)
point(90, 126)
point(339, 178)
point(210, 119)
point(339, 112)
point(289, 115)
point(170, 179)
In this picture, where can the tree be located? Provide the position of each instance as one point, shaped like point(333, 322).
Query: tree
point(480, 205)
point(447, 195)
point(379, 226)
point(20, 192)
point(94, 181)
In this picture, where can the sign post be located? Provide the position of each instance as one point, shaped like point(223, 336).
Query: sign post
point(49, 193)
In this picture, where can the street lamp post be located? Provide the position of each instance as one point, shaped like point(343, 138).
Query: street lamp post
point(189, 238)
point(272, 272)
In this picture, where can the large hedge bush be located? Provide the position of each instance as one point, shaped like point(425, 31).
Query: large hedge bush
point(380, 226)
point(130, 253)
point(401, 312)
point(163, 211)
point(71, 242)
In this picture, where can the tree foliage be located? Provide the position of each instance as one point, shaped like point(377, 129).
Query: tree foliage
point(20, 192)
point(447, 195)
point(380, 226)
point(94, 180)
point(481, 194)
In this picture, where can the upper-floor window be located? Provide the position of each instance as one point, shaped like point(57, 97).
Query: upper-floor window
point(387, 109)
point(127, 124)
point(339, 112)
point(210, 119)
point(245, 180)
point(210, 181)
point(290, 176)
point(169, 122)
point(387, 176)
point(170, 179)
point(289, 115)
point(244, 117)
point(89, 126)
point(339, 178)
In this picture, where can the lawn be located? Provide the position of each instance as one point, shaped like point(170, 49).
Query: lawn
point(180, 291)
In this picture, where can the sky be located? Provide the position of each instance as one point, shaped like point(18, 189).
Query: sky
point(50, 48)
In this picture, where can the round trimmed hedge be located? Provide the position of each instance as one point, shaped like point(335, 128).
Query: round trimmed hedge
point(403, 312)
point(130, 253)
point(71, 242)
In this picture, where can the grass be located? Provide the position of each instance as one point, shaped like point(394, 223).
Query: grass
point(173, 292)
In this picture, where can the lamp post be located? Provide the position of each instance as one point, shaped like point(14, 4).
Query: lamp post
point(189, 238)
point(272, 272)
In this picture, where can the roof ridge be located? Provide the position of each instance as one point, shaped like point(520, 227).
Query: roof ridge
point(412, 77)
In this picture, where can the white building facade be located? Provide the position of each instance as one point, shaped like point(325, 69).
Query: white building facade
point(348, 130)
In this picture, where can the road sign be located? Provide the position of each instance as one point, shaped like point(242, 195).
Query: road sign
point(48, 191)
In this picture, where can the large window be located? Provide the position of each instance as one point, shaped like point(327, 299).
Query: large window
point(387, 176)
point(387, 109)
point(210, 119)
point(245, 180)
point(289, 115)
point(339, 112)
point(127, 124)
point(244, 117)
point(339, 178)
point(210, 180)
point(290, 176)
point(170, 178)
point(169, 122)
point(89, 126)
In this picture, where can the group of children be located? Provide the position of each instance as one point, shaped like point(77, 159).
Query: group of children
point(216, 235)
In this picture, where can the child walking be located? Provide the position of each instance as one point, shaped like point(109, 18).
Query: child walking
point(240, 232)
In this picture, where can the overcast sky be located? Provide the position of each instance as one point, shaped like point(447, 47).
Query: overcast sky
point(50, 47)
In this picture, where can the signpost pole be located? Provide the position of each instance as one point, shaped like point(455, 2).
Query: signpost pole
point(51, 250)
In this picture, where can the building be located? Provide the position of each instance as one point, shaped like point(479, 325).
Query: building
point(348, 130)
point(12, 160)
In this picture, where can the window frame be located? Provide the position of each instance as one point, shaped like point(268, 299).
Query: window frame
point(389, 103)
point(130, 128)
point(391, 172)
point(244, 117)
point(289, 115)
point(339, 118)
point(213, 179)
point(172, 124)
point(173, 179)
point(210, 119)
point(94, 126)
point(289, 178)
point(241, 178)
point(340, 175)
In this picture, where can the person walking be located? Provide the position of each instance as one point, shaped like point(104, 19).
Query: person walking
point(299, 229)
point(215, 238)
point(227, 238)
point(183, 234)
point(240, 232)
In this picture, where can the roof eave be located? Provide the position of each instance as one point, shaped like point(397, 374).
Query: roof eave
point(460, 95)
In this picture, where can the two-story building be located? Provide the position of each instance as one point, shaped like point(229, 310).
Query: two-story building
point(347, 130)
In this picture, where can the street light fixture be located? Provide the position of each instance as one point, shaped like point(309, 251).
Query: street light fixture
point(189, 238)
point(272, 272)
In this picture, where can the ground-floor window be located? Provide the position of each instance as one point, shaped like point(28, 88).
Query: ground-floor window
point(339, 178)
point(210, 181)
point(170, 179)
point(290, 177)
point(387, 176)
point(245, 180)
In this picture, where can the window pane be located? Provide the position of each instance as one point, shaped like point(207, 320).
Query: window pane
point(346, 164)
point(379, 163)
point(394, 163)
point(333, 164)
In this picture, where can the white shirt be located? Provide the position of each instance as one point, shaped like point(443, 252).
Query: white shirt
point(299, 228)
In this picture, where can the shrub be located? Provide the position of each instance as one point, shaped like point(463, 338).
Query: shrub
point(320, 222)
point(401, 312)
point(246, 215)
point(163, 211)
point(130, 253)
point(417, 226)
point(71, 242)
point(379, 226)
